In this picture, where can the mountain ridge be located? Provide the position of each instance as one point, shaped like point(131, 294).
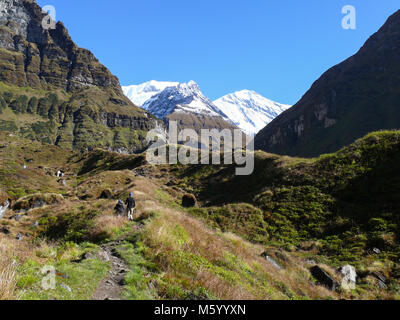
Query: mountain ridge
point(351, 99)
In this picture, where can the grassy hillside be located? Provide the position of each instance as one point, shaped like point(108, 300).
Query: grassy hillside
point(329, 211)
point(350, 198)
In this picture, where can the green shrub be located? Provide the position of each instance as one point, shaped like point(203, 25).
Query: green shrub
point(32, 105)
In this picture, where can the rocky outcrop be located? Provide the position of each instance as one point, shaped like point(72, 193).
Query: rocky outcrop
point(81, 104)
point(47, 59)
point(37, 200)
point(358, 96)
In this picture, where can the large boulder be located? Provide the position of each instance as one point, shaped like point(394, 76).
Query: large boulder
point(106, 194)
point(323, 278)
point(189, 201)
point(349, 277)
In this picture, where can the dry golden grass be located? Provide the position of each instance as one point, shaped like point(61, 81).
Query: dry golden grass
point(221, 288)
point(8, 272)
point(8, 280)
point(173, 231)
point(106, 224)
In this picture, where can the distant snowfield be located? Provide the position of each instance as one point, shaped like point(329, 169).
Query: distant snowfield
point(249, 110)
point(141, 93)
point(246, 109)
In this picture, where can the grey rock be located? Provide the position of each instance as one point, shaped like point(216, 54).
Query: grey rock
point(271, 261)
point(64, 286)
point(323, 278)
point(349, 276)
point(376, 251)
point(18, 217)
point(19, 237)
point(3, 208)
point(88, 256)
point(5, 230)
point(382, 285)
point(379, 276)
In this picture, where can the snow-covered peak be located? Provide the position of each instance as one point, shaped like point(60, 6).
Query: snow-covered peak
point(141, 93)
point(184, 97)
point(249, 110)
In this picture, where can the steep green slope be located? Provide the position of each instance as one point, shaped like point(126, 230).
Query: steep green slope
point(348, 200)
point(358, 96)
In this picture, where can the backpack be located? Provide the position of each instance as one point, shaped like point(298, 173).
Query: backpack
point(131, 202)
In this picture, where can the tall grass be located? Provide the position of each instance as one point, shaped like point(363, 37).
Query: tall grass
point(8, 274)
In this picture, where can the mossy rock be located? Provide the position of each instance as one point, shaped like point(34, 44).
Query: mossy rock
point(37, 200)
point(189, 201)
point(106, 194)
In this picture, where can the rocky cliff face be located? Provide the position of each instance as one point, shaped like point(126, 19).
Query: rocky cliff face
point(45, 59)
point(81, 100)
point(358, 96)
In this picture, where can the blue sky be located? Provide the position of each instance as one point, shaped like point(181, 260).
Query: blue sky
point(277, 48)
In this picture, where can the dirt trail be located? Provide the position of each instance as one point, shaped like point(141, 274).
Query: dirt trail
point(111, 287)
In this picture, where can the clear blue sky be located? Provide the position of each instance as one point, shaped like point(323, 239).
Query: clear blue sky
point(277, 48)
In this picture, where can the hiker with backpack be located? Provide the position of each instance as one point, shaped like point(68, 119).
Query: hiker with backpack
point(120, 208)
point(130, 206)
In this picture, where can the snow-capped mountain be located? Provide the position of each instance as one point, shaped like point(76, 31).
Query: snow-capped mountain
point(141, 93)
point(244, 109)
point(249, 110)
point(182, 98)
point(181, 102)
